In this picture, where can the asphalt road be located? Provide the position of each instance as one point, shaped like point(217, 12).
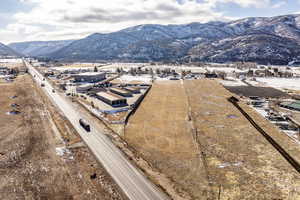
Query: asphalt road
point(131, 181)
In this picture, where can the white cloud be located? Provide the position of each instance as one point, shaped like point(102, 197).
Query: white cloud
point(58, 19)
point(243, 3)
point(279, 4)
point(68, 19)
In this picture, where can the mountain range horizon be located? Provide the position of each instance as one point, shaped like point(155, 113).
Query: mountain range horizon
point(274, 40)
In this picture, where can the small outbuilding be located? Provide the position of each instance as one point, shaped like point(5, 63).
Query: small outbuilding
point(134, 90)
point(112, 99)
point(84, 88)
point(291, 105)
point(90, 77)
point(121, 92)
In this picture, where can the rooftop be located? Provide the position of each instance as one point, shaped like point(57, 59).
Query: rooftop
point(110, 96)
point(295, 104)
point(132, 88)
point(90, 74)
point(137, 82)
point(120, 90)
point(116, 81)
point(85, 85)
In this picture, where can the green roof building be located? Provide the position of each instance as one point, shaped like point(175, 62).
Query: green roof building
point(291, 105)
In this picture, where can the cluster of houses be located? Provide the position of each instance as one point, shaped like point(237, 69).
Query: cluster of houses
point(282, 121)
point(7, 74)
point(265, 71)
point(4, 71)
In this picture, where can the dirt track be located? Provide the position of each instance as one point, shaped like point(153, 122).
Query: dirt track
point(29, 165)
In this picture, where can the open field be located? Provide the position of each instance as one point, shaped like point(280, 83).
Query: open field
point(164, 137)
point(12, 65)
point(193, 135)
point(281, 83)
point(30, 144)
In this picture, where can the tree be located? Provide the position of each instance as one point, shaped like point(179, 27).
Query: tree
point(132, 71)
point(157, 71)
point(183, 74)
point(95, 69)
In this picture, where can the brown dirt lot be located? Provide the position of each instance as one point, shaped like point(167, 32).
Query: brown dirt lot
point(192, 134)
point(29, 166)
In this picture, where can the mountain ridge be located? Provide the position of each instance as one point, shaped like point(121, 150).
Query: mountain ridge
point(6, 51)
point(259, 39)
point(39, 48)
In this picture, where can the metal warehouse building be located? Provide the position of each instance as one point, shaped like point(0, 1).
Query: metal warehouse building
point(84, 88)
point(90, 77)
point(134, 90)
point(121, 92)
point(112, 99)
point(291, 105)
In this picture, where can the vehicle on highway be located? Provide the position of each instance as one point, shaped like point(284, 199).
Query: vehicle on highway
point(85, 125)
point(53, 90)
point(134, 184)
point(42, 85)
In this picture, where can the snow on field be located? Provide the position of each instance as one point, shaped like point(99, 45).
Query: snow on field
point(71, 68)
point(224, 69)
point(180, 68)
point(232, 82)
point(143, 78)
point(296, 71)
point(61, 151)
point(281, 83)
point(18, 60)
point(124, 66)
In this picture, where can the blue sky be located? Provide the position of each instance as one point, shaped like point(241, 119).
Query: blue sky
point(27, 20)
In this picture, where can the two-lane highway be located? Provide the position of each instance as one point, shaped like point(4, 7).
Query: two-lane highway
point(132, 182)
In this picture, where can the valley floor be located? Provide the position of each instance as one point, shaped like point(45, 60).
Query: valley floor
point(34, 161)
point(190, 132)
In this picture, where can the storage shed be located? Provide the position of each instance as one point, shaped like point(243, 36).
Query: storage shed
point(112, 99)
point(121, 92)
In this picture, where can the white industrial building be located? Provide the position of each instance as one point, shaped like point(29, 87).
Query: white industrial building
point(84, 88)
point(90, 77)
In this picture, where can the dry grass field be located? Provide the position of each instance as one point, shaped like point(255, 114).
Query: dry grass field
point(239, 159)
point(160, 131)
point(29, 165)
point(12, 65)
point(192, 134)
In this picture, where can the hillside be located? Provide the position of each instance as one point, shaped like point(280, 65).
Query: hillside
point(5, 51)
point(39, 48)
point(274, 40)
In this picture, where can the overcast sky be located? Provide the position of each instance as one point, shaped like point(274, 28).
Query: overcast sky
point(27, 20)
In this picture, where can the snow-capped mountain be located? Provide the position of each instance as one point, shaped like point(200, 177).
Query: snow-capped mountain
point(142, 43)
point(39, 48)
point(261, 48)
point(5, 51)
point(265, 40)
